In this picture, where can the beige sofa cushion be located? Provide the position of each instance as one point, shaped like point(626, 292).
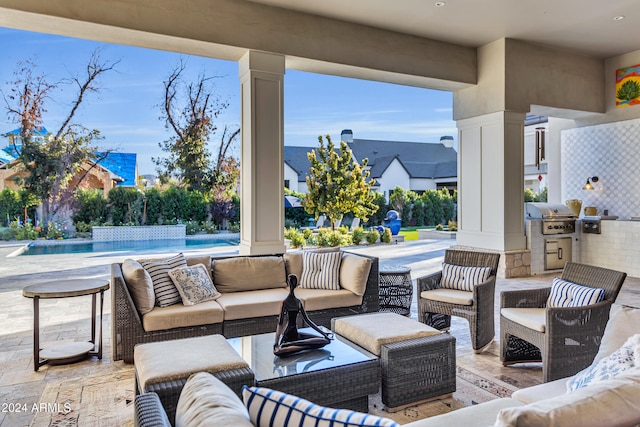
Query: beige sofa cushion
point(165, 361)
point(205, 400)
point(293, 262)
point(178, 316)
point(451, 296)
point(623, 322)
point(250, 304)
point(320, 299)
point(373, 330)
point(542, 391)
point(139, 284)
point(608, 403)
point(472, 416)
point(532, 318)
point(354, 273)
point(200, 259)
point(239, 274)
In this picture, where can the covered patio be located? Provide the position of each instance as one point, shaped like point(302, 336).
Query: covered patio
point(500, 60)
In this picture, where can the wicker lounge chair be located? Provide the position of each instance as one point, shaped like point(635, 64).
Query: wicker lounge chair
point(571, 335)
point(480, 313)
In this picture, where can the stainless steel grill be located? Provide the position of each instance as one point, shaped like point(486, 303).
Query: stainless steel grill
point(556, 217)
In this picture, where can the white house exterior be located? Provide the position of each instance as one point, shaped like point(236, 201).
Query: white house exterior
point(413, 166)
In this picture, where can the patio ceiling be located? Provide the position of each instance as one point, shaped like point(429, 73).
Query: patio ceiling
point(581, 26)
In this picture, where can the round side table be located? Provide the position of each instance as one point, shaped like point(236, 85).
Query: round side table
point(396, 289)
point(70, 352)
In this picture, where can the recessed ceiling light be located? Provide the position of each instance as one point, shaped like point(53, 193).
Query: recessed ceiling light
point(618, 18)
point(440, 3)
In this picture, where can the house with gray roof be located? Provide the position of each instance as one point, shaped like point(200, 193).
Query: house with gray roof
point(413, 166)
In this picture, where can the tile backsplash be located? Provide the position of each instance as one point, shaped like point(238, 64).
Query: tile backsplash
point(611, 152)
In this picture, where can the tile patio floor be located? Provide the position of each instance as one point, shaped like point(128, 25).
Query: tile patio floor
point(38, 398)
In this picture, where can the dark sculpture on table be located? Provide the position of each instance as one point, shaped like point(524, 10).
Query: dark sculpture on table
point(288, 339)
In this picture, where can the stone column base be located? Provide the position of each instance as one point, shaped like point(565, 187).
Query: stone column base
point(515, 263)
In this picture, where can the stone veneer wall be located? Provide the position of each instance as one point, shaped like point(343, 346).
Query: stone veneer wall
point(144, 232)
point(512, 263)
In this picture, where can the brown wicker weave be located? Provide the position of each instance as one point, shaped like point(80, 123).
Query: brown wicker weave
point(127, 329)
point(572, 336)
point(479, 313)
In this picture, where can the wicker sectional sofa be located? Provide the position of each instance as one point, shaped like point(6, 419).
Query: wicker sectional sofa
point(241, 312)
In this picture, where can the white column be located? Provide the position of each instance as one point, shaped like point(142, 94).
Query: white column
point(490, 181)
point(262, 154)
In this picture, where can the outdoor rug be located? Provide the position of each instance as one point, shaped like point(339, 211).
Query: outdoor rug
point(107, 399)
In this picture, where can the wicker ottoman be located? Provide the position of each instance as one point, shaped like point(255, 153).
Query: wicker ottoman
point(164, 367)
point(418, 362)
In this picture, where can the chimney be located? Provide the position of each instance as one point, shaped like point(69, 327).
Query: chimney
point(347, 136)
point(447, 141)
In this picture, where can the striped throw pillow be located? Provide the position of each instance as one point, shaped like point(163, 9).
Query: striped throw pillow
point(568, 294)
point(463, 278)
point(271, 408)
point(166, 292)
point(321, 270)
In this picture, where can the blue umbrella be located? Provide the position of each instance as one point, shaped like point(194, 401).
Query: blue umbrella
point(292, 202)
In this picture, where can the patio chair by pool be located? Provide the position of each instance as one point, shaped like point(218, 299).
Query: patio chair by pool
point(466, 289)
point(560, 331)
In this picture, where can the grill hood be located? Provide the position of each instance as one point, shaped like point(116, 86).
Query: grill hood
point(539, 210)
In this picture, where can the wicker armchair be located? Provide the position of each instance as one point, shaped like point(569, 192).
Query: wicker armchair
point(479, 313)
point(571, 335)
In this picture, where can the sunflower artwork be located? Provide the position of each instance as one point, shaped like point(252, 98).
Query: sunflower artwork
point(628, 86)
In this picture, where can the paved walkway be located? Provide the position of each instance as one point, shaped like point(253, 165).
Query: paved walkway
point(68, 320)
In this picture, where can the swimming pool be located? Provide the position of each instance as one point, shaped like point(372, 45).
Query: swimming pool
point(71, 247)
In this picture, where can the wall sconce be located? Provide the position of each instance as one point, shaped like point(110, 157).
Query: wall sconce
point(589, 185)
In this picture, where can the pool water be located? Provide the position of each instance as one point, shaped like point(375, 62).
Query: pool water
point(62, 247)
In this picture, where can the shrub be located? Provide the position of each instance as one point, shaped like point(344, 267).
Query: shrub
point(307, 232)
point(90, 207)
point(191, 227)
point(23, 231)
point(357, 235)
point(439, 227)
point(297, 239)
point(335, 238)
point(372, 236)
point(386, 236)
point(452, 225)
point(234, 227)
point(344, 230)
point(209, 227)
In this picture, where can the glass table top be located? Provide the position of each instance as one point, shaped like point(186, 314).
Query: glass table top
point(257, 351)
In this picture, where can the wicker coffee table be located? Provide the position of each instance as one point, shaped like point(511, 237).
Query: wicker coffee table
point(339, 375)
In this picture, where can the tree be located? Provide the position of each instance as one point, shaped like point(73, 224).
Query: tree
point(193, 125)
point(337, 184)
point(52, 163)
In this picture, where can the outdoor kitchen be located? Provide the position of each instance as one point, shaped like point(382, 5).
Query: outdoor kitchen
point(552, 236)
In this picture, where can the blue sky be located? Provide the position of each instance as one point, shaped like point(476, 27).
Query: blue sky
point(128, 108)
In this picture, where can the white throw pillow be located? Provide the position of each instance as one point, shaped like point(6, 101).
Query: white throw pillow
point(268, 408)
point(321, 270)
point(626, 357)
point(624, 321)
point(194, 284)
point(568, 294)
point(463, 278)
point(166, 292)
